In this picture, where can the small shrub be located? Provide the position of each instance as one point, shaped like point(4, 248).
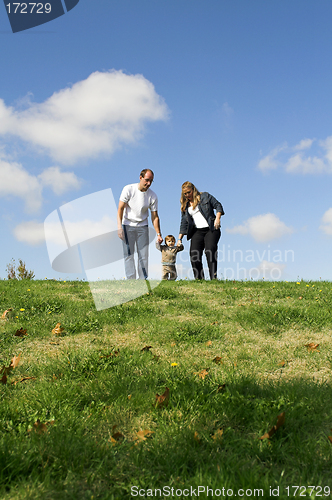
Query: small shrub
point(21, 273)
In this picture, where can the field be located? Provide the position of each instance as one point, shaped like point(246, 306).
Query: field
point(221, 385)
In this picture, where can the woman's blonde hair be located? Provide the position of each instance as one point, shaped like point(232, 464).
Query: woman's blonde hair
point(196, 195)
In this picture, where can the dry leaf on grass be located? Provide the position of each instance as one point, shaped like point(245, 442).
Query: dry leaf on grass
point(196, 436)
point(163, 399)
point(146, 348)
point(280, 422)
point(116, 436)
point(218, 434)
point(312, 346)
point(143, 435)
point(202, 374)
point(209, 342)
point(217, 360)
point(5, 370)
point(6, 313)
point(111, 354)
point(330, 438)
point(15, 361)
point(39, 427)
point(282, 363)
point(24, 379)
point(57, 330)
point(21, 332)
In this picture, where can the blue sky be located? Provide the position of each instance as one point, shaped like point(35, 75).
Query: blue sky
point(234, 96)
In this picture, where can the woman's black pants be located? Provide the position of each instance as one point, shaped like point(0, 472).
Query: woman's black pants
point(207, 240)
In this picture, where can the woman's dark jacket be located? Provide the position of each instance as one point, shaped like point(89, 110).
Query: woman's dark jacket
point(205, 206)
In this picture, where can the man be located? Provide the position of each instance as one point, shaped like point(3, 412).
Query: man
point(133, 213)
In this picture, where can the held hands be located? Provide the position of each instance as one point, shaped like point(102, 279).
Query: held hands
point(159, 239)
point(179, 243)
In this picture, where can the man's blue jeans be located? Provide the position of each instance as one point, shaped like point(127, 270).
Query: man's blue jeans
point(136, 236)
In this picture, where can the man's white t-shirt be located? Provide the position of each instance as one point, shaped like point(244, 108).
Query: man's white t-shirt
point(138, 203)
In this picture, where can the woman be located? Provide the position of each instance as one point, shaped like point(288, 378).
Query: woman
point(201, 226)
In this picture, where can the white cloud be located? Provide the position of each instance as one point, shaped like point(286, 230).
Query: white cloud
point(15, 181)
point(87, 228)
point(262, 228)
point(326, 227)
point(297, 160)
point(270, 161)
point(304, 144)
point(31, 232)
point(60, 182)
point(92, 117)
point(301, 165)
point(270, 270)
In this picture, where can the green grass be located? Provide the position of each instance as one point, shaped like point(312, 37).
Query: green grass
point(95, 376)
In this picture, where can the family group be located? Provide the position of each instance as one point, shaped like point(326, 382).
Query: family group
point(200, 222)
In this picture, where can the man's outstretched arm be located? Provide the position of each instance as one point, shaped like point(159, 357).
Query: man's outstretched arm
point(121, 208)
point(156, 225)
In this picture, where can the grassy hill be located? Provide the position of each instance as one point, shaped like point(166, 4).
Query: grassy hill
point(172, 390)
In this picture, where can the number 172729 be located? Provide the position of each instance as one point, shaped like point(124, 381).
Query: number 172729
point(301, 491)
point(29, 8)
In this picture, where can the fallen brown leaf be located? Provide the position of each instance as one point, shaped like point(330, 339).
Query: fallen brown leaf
point(39, 427)
point(143, 435)
point(57, 330)
point(282, 363)
point(5, 371)
point(218, 434)
point(20, 333)
point(5, 314)
point(146, 348)
point(217, 360)
point(24, 379)
point(202, 374)
point(116, 436)
point(280, 422)
point(110, 355)
point(163, 399)
point(209, 342)
point(15, 361)
point(312, 346)
point(196, 436)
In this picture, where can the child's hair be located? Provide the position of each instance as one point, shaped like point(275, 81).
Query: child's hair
point(169, 237)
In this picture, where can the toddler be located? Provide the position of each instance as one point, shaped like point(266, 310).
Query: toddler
point(168, 257)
